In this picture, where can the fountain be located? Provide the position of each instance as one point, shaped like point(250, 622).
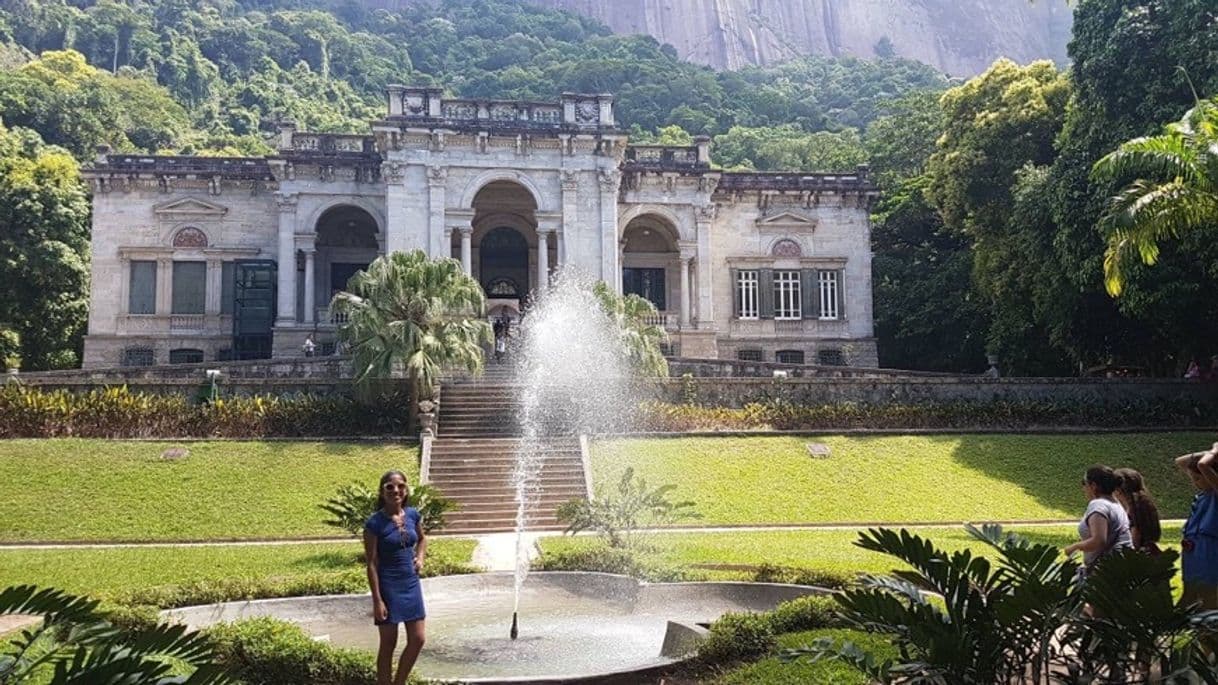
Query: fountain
point(576, 627)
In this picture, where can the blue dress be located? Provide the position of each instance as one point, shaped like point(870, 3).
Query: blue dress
point(400, 589)
point(1199, 559)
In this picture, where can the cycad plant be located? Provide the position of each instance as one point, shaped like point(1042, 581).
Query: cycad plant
point(422, 314)
point(959, 618)
point(638, 336)
point(1175, 191)
point(74, 646)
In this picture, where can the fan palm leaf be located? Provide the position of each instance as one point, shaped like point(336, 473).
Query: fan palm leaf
point(1174, 191)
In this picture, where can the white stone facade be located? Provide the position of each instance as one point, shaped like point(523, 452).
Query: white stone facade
point(775, 266)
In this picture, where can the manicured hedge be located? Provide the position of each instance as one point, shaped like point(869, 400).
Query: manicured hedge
point(605, 559)
point(267, 651)
point(782, 415)
point(739, 636)
point(116, 412)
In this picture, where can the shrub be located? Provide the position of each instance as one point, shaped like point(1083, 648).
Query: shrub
point(354, 503)
point(771, 573)
point(738, 636)
point(805, 613)
point(267, 651)
point(116, 412)
point(606, 559)
point(617, 516)
point(779, 414)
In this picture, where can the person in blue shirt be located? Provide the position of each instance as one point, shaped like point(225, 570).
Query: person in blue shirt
point(1199, 548)
point(394, 548)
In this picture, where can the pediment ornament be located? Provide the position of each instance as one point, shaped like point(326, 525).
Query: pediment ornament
point(190, 206)
point(788, 220)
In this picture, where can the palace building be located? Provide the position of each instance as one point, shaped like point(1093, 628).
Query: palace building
point(215, 258)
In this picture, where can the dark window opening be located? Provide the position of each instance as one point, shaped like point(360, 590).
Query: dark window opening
point(186, 356)
point(789, 356)
point(137, 356)
point(831, 358)
point(748, 355)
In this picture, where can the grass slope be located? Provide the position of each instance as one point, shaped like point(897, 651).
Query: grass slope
point(943, 478)
point(124, 490)
point(831, 551)
point(109, 571)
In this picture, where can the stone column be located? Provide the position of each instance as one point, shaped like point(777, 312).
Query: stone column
point(706, 312)
point(310, 293)
point(215, 270)
point(437, 178)
point(164, 286)
point(684, 291)
point(467, 250)
point(543, 260)
point(611, 270)
point(286, 268)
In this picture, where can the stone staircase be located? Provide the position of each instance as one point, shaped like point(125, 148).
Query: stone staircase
point(474, 454)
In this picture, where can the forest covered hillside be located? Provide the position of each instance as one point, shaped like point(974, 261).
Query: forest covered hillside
point(216, 76)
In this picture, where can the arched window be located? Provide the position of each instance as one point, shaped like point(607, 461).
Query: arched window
point(190, 237)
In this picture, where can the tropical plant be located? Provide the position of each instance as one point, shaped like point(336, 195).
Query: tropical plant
point(961, 618)
point(638, 336)
point(1176, 191)
point(633, 506)
point(354, 503)
point(73, 646)
point(410, 311)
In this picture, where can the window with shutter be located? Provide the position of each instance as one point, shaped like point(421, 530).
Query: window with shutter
point(787, 303)
point(765, 293)
point(141, 296)
point(227, 287)
point(746, 294)
point(189, 287)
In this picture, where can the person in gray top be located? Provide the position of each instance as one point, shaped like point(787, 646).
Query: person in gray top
point(1104, 528)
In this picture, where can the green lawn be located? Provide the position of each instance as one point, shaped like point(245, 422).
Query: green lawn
point(124, 490)
point(111, 571)
point(866, 479)
point(829, 551)
point(772, 671)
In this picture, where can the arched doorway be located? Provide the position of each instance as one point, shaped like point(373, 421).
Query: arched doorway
point(503, 264)
point(651, 263)
point(346, 242)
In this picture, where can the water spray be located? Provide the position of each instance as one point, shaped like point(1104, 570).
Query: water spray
point(515, 632)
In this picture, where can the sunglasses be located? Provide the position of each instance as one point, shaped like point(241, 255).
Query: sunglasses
point(394, 487)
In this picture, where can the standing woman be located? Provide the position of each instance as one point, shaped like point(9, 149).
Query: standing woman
point(1144, 524)
point(1199, 548)
point(1105, 527)
point(394, 547)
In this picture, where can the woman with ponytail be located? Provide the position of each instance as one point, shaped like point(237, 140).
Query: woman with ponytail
point(1104, 527)
point(1143, 513)
point(394, 548)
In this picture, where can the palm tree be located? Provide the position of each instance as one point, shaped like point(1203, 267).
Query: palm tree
point(410, 311)
point(74, 645)
point(639, 337)
point(1176, 191)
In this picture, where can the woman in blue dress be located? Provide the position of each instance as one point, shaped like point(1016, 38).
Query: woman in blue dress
point(1199, 548)
point(394, 547)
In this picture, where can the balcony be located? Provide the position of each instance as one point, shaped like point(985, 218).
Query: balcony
point(187, 323)
point(326, 317)
point(811, 328)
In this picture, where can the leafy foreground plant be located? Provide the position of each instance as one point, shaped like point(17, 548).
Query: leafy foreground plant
point(618, 517)
point(1021, 618)
point(80, 648)
point(354, 503)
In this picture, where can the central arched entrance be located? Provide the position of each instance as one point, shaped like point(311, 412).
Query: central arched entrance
point(503, 264)
point(346, 241)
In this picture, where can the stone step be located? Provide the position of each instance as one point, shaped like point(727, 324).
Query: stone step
point(453, 483)
point(462, 490)
point(508, 499)
point(506, 460)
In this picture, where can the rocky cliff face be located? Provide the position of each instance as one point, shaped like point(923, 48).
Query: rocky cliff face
point(961, 37)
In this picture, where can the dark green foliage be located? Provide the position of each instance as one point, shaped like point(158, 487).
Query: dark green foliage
point(605, 559)
point(738, 636)
point(354, 503)
point(74, 644)
point(1018, 618)
point(267, 651)
point(44, 251)
point(784, 415)
point(119, 413)
point(770, 573)
point(617, 516)
point(806, 613)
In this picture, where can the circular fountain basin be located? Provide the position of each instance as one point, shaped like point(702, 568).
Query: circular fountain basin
point(574, 626)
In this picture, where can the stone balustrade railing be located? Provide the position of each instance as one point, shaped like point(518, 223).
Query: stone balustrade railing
point(332, 143)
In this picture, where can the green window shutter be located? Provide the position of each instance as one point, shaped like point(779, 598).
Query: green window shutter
point(841, 294)
point(141, 296)
point(227, 274)
point(765, 293)
point(735, 293)
point(808, 293)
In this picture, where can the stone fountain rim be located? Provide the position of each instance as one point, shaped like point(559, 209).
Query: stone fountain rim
point(605, 677)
